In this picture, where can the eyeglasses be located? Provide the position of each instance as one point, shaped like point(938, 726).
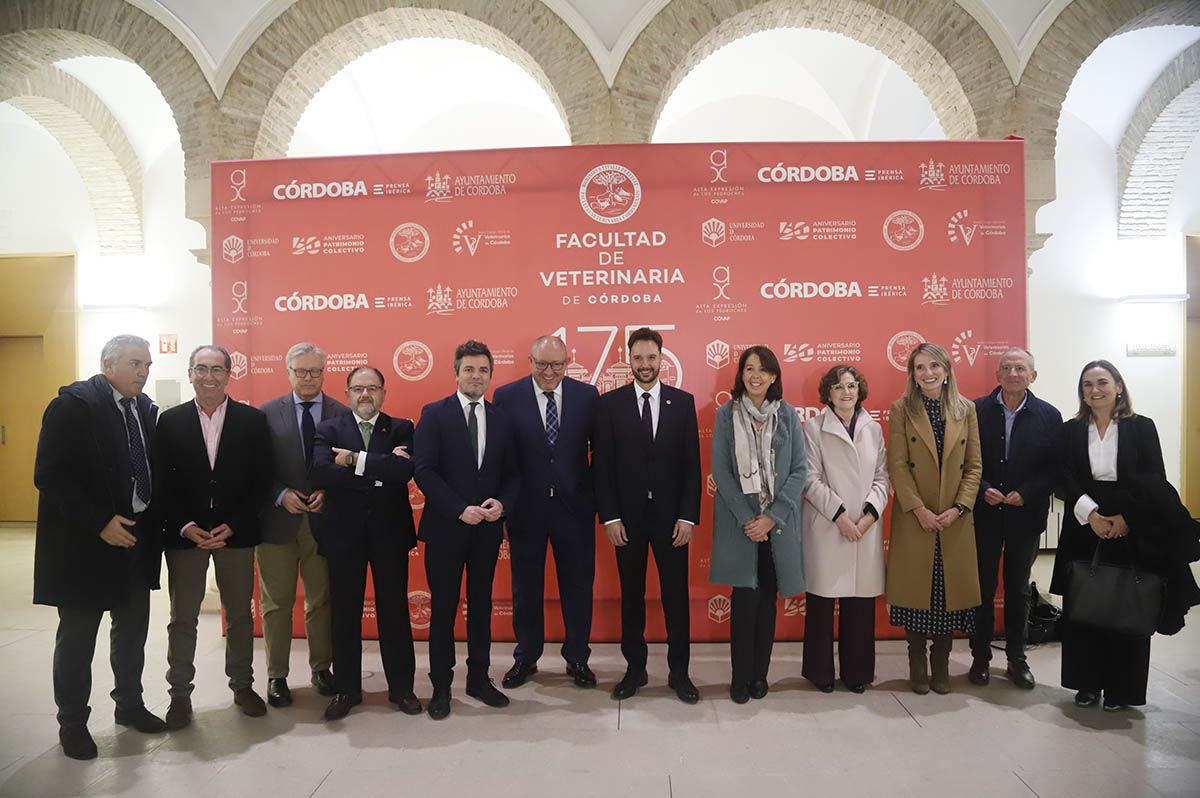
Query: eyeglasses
point(554, 365)
point(204, 371)
point(846, 386)
point(359, 390)
point(307, 372)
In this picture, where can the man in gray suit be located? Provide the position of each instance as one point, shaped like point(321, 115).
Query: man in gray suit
point(288, 543)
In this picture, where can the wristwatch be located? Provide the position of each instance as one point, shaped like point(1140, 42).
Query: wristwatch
point(962, 509)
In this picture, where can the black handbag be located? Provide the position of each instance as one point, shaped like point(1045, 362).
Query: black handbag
point(1115, 598)
point(1042, 626)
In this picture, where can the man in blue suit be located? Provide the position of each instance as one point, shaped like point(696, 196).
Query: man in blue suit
point(363, 461)
point(553, 416)
point(467, 468)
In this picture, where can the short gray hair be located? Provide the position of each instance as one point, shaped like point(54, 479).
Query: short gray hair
point(1018, 350)
point(303, 348)
point(213, 347)
point(116, 347)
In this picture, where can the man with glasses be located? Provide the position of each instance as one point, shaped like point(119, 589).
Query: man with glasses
point(467, 468)
point(98, 546)
point(363, 461)
point(215, 458)
point(553, 416)
point(288, 544)
point(1019, 438)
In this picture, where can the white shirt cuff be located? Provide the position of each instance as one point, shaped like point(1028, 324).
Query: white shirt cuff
point(615, 520)
point(360, 464)
point(279, 498)
point(1084, 507)
point(183, 528)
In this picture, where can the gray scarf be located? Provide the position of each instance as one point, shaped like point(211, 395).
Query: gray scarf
point(754, 453)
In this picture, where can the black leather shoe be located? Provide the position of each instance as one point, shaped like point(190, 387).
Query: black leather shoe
point(518, 674)
point(141, 719)
point(684, 688)
point(278, 693)
point(179, 714)
point(824, 687)
point(1086, 698)
point(323, 681)
point(629, 684)
point(978, 674)
point(77, 742)
point(487, 693)
point(758, 688)
point(1019, 674)
point(1112, 706)
point(406, 702)
point(739, 693)
point(249, 702)
point(439, 705)
point(581, 674)
point(341, 705)
point(855, 687)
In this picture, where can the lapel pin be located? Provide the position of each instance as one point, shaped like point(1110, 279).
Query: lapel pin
point(668, 401)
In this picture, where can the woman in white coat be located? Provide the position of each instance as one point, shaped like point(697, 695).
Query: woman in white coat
point(847, 492)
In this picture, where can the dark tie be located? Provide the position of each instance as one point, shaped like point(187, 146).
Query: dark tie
point(647, 417)
point(308, 431)
point(473, 432)
point(551, 419)
point(137, 453)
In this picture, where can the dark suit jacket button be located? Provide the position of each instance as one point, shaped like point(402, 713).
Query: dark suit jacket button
point(914, 440)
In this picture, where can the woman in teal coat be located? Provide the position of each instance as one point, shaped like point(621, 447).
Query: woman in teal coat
point(759, 465)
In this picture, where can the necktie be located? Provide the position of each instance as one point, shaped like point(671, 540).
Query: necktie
point(137, 453)
point(308, 430)
point(473, 432)
point(647, 417)
point(365, 428)
point(551, 418)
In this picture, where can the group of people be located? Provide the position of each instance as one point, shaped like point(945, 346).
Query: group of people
point(317, 489)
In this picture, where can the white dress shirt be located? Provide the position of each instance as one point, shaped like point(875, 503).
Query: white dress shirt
point(360, 464)
point(1102, 456)
point(542, 401)
point(139, 506)
point(480, 417)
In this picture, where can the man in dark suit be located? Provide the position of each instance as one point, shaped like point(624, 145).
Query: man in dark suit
point(288, 544)
point(553, 417)
point(646, 458)
point(215, 458)
point(467, 469)
point(98, 546)
point(1019, 438)
point(363, 460)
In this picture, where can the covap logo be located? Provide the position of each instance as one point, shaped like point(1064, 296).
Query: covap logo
point(233, 249)
point(413, 361)
point(610, 193)
point(409, 242)
point(237, 182)
point(719, 608)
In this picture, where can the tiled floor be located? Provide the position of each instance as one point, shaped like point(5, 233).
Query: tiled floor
point(558, 740)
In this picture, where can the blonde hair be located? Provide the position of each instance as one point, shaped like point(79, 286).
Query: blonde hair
point(954, 404)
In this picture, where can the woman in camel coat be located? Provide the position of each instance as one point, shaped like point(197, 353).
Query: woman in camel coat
point(935, 466)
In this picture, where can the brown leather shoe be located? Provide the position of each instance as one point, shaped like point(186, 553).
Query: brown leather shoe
point(918, 665)
point(179, 714)
point(939, 663)
point(250, 702)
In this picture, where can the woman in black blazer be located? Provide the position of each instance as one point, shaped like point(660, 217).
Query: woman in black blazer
point(1106, 446)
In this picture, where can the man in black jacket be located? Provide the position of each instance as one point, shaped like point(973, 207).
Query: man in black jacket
point(98, 543)
point(215, 458)
point(1019, 437)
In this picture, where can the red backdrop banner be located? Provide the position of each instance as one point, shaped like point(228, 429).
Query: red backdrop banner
point(827, 253)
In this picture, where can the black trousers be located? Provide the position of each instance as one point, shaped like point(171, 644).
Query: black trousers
point(856, 639)
point(654, 532)
point(1094, 660)
point(752, 621)
point(445, 560)
point(75, 645)
point(574, 545)
point(347, 586)
point(1020, 549)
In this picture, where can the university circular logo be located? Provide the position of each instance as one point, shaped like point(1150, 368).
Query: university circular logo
point(420, 608)
point(901, 346)
point(409, 242)
point(610, 193)
point(903, 230)
point(413, 361)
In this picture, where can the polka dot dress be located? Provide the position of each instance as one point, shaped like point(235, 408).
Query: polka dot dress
point(935, 620)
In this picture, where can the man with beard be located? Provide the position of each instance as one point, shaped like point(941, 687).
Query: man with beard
point(467, 469)
point(647, 466)
point(363, 460)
